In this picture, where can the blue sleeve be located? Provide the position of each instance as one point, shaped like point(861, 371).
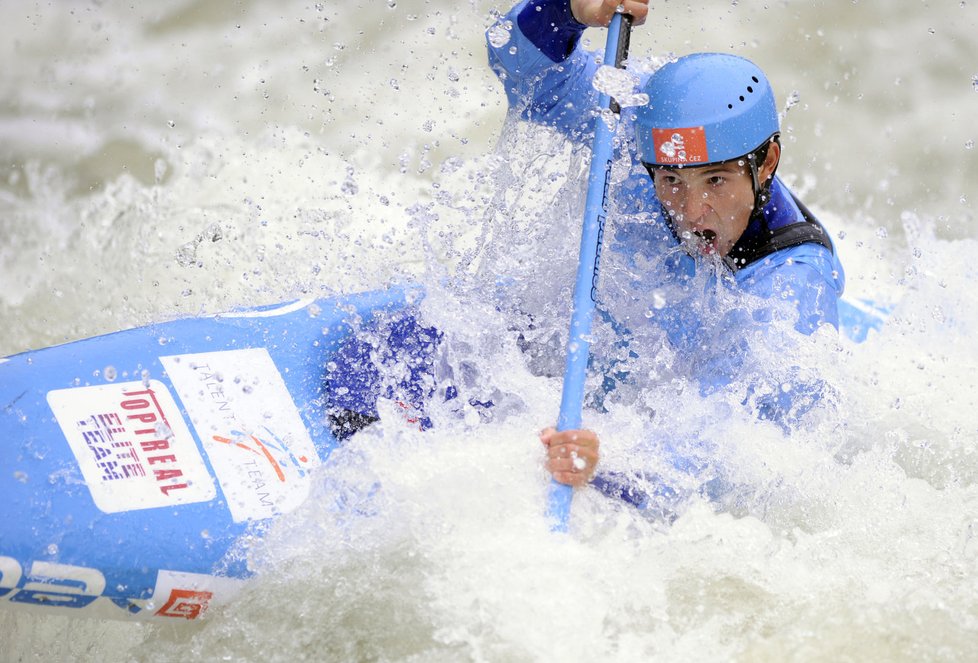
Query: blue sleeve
point(525, 51)
point(551, 26)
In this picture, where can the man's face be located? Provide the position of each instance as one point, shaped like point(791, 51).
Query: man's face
point(710, 206)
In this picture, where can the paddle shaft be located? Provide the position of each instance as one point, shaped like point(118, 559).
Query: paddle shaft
point(585, 288)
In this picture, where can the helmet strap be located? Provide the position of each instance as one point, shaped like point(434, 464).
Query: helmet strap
point(762, 190)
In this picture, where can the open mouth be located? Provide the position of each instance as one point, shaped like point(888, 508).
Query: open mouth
point(707, 240)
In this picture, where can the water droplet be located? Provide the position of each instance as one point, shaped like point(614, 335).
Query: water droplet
point(159, 170)
point(881, 233)
point(499, 34)
point(969, 145)
point(658, 300)
point(793, 99)
point(171, 123)
point(187, 254)
point(52, 549)
point(213, 232)
point(110, 373)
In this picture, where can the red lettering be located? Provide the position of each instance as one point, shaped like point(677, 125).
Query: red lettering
point(145, 417)
point(173, 486)
point(163, 475)
point(154, 445)
point(135, 404)
point(186, 603)
point(153, 460)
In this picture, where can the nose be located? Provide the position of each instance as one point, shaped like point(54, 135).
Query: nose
point(694, 202)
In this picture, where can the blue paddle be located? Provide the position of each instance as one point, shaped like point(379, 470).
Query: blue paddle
point(585, 287)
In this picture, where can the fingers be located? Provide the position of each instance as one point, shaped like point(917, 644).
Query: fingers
point(638, 9)
point(599, 12)
point(572, 456)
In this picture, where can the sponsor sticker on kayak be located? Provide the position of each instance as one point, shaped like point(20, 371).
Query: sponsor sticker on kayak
point(190, 595)
point(251, 430)
point(79, 590)
point(133, 447)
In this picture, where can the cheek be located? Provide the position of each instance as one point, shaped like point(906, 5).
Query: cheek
point(665, 194)
point(736, 206)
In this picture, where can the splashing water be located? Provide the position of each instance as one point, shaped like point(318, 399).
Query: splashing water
point(853, 538)
point(620, 84)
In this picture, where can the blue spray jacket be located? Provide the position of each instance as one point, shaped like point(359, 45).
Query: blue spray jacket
point(716, 319)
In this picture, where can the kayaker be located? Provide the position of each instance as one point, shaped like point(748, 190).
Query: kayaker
point(733, 253)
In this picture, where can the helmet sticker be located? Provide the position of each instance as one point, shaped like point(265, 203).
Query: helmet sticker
point(680, 146)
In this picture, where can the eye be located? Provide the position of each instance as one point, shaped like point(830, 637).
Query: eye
point(666, 179)
point(717, 180)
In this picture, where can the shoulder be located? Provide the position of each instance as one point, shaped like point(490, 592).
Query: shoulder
point(807, 276)
point(807, 262)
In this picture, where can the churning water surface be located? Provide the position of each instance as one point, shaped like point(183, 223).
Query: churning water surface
point(171, 158)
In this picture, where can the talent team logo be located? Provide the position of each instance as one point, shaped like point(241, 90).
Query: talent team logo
point(250, 427)
point(273, 450)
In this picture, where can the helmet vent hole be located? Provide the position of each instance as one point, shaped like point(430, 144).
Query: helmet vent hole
point(750, 89)
point(741, 97)
point(730, 106)
point(754, 78)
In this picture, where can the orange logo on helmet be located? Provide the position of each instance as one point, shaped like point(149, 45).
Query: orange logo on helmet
point(680, 146)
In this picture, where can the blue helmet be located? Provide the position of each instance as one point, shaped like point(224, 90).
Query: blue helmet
point(705, 108)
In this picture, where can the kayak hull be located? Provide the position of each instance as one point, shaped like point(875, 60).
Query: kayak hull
point(135, 463)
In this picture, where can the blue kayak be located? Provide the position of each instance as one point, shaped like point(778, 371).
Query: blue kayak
point(136, 463)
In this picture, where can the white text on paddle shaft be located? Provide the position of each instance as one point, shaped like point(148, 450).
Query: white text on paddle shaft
point(154, 436)
point(599, 243)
